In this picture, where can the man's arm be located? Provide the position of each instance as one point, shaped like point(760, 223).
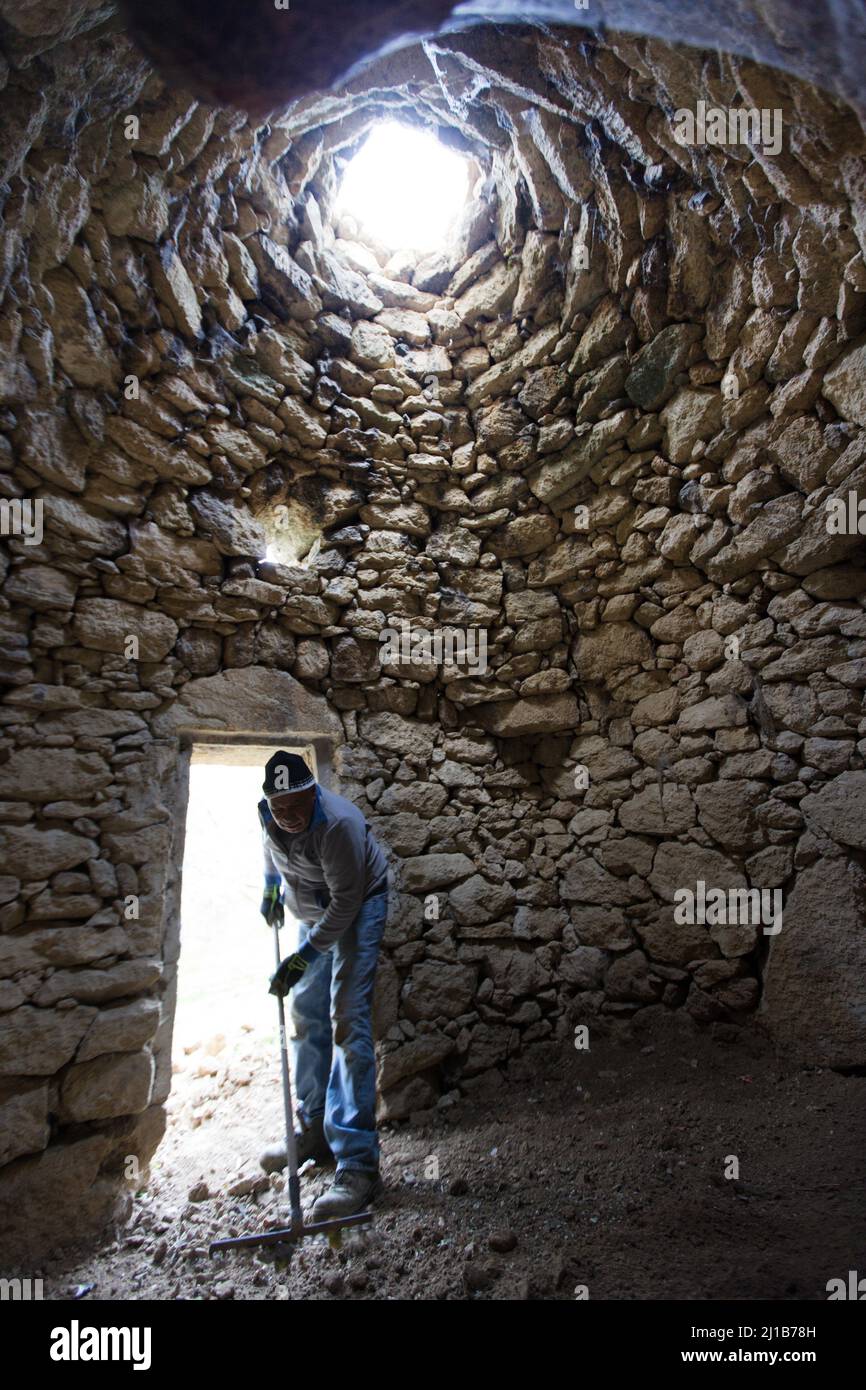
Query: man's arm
point(344, 869)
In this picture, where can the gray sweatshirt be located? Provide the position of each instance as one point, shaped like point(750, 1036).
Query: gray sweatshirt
point(328, 869)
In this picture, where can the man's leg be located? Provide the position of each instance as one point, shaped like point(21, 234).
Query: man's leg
point(311, 1045)
point(350, 1110)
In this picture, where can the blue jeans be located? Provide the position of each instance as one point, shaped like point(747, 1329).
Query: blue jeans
point(334, 1057)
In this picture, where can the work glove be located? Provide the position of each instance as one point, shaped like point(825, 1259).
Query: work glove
point(287, 975)
point(272, 906)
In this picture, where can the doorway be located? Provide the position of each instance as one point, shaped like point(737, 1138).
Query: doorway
point(225, 1105)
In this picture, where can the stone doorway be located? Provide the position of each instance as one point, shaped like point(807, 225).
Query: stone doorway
point(224, 1032)
point(225, 954)
point(225, 724)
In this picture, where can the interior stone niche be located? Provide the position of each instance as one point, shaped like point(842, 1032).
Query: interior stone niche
point(556, 464)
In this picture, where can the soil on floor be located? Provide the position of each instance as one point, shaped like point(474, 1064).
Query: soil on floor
point(665, 1166)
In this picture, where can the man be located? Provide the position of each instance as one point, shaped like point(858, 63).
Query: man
point(334, 878)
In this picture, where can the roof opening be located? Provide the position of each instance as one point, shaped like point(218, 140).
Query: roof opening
point(405, 189)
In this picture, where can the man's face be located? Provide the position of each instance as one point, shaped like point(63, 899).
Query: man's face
point(292, 810)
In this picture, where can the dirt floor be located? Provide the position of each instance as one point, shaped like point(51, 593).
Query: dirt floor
point(597, 1174)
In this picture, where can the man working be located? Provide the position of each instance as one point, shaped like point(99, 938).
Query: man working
point(335, 881)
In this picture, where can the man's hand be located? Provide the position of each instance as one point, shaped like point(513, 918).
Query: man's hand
point(287, 975)
point(272, 906)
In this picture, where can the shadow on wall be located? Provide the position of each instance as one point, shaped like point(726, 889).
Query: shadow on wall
point(261, 57)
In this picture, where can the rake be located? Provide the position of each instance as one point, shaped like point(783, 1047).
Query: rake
point(297, 1230)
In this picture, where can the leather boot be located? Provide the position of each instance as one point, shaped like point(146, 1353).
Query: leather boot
point(311, 1143)
point(353, 1190)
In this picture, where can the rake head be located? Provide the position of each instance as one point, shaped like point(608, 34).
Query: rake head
point(294, 1234)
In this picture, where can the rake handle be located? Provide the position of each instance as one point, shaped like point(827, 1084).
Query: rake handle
point(294, 1184)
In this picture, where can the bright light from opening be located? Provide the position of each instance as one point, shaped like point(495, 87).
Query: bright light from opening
point(405, 188)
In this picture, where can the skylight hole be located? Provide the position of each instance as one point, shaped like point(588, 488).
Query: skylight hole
point(405, 189)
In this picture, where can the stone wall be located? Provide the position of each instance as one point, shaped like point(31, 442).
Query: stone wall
point(602, 430)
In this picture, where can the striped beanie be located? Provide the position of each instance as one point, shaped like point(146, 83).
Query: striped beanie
point(286, 772)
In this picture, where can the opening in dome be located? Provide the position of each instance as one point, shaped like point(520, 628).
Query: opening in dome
point(405, 189)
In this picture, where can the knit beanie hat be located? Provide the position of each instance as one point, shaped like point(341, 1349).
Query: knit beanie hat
point(286, 772)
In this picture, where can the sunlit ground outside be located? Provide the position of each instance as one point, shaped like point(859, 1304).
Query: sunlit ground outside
point(226, 1034)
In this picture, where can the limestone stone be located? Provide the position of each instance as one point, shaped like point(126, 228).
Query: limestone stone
point(403, 833)
point(726, 810)
point(284, 285)
point(718, 712)
point(629, 978)
point(544, 924)
point(588, 881)
point(155, 548)
point(355, 661)
point(476, 901)
point(397, 735)
point(70, 946)
point(82, 348)
point(173, 285)
point(116, 1084)
point(684, 865)
point(139, 208)
point(30, 853)
point(584, 967)
point(668, 810)
point(123, 1028)
point(674, 943)
point(38, 1042)
point(406, 325)
point(490, 1044)
point(599, 653)
point(524, 536)
point(602, 927)
point(843, 384)
point(542, 714)
point(231, 528)
point(108, 625)
point(655, 369)
point(808, 1000)
point(815, 544)
point(419, 1055)
point(47, 774)
point(437, 989)
point(775, 525)
point(515, 972)
point(263, 701)
point(372, 345)
point(98, 986)
point(839, 809)
point(41, 587)
point(427, 872)
point(23, 1119)
point(65, 1174)
point(689, 417)
point(490, 295)
point(417, 798)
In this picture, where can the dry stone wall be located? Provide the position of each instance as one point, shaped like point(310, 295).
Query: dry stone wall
point(605, 431)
